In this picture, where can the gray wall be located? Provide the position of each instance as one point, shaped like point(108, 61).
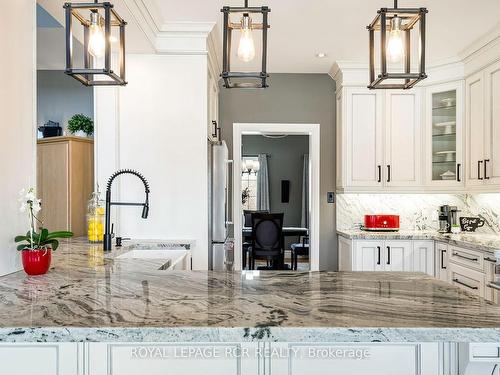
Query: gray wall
point(285, 162)
point(60, 96)
point(293, 98)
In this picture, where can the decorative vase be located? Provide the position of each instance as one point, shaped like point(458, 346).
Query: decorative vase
point(36, 262)
point(80, 133)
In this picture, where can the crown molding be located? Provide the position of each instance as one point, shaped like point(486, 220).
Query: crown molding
point(190, 38)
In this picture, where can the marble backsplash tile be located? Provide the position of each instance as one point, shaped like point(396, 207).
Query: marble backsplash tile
point(417, 211)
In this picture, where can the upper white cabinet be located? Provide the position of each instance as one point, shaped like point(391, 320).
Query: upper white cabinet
point(363, 148)
point(444, 136)
point(213, 107)
point(403, 138)
point(483, 127)
point(378, 139)
point(492, 119)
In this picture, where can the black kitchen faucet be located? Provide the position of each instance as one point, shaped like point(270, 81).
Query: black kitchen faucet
point(145, 205)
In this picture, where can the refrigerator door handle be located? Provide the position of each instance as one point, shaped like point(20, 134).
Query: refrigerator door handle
point(229, 221)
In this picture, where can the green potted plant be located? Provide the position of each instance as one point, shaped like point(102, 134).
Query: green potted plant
point(81, 125)
point(36, 251)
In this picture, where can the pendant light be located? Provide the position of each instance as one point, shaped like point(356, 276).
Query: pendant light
point(246, 46)
point(396, 48)
point(99, 20)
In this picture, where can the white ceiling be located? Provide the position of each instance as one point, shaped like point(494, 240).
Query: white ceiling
point(300, 29)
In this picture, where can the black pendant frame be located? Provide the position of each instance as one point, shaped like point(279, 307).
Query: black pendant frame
point(412, 16)
point(227, 74)
point(87, 74)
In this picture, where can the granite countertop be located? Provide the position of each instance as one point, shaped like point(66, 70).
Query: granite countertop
point(87, 296)
point(478, 241)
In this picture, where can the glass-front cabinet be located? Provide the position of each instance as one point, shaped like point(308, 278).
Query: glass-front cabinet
point(444, 135)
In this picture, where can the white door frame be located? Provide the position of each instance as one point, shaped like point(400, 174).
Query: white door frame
point(312, 130)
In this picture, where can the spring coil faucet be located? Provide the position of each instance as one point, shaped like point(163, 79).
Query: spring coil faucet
point(145, 206)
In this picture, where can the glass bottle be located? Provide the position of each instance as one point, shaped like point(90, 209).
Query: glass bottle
point(95, 218)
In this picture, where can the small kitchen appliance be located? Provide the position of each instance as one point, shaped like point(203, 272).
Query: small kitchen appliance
point(448, 219)
point(382, 223)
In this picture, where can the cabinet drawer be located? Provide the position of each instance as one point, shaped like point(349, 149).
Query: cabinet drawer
point(466, 257)
point(467, 279)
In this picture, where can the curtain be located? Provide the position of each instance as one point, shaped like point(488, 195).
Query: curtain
point(304, 223)
point(263, 184)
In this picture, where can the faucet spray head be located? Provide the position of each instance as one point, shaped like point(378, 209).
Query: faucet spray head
point(145, 211)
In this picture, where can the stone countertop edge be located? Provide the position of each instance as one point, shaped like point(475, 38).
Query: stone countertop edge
point(240, 334)
point(487, 245)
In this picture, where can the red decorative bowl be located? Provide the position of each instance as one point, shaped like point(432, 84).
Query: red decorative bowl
point(36, 262)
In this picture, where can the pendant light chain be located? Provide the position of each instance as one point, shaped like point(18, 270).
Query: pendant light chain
point(395, 4)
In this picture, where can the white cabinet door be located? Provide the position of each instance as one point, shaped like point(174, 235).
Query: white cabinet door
point(368, 255)
point(441, 258)
point(403, 138)
point(476, 129)
point(423, 257)
point(39, 358)
point(398, 256)
point(492, 152)
point(213, 108)
point(172, 358)
point(444, 135)
point(358, 358)
point(364, 135)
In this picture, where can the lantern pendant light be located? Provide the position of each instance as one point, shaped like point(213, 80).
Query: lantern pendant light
point(246, 46)
point(98, 21)
point(396, 48)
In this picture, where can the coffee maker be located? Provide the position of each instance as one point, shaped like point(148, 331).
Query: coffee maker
point(448, 217)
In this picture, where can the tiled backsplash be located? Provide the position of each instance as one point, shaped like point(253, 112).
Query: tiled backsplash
point(417, 211)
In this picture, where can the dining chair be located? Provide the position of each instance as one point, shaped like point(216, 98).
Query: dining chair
point(247, 215)
point(267, 239)
point(299, 249)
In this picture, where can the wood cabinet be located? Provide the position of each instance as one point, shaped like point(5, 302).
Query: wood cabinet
point(65, 180)
point(378, 139)
point(388, 255)
point(39, 358)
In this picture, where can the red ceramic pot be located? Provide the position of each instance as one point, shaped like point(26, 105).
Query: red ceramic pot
point(36, 262)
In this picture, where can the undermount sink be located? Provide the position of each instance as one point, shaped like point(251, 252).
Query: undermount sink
point(174, 259)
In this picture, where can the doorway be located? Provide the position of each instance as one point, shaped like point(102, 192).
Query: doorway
point(250, 162)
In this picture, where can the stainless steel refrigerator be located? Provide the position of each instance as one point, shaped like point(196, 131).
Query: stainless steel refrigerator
point(218, 194)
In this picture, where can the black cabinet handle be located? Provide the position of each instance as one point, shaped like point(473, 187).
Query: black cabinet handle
point(216, 128)
point(464, 284)
point(379, 167)
point(388, 255)
point(458, 171)
point(442, 259)
point(388, 173)
point(479, 169)
point(378, 256)
point(464, 257)
point(485, 166)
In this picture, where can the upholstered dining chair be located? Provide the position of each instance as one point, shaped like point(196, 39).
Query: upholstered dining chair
point(267, 239)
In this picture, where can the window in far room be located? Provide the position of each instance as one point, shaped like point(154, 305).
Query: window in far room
point(249, 171)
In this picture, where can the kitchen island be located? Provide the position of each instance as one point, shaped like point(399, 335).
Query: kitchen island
point(90, 296)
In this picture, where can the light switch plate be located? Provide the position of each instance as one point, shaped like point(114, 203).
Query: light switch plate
point(330, 197)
